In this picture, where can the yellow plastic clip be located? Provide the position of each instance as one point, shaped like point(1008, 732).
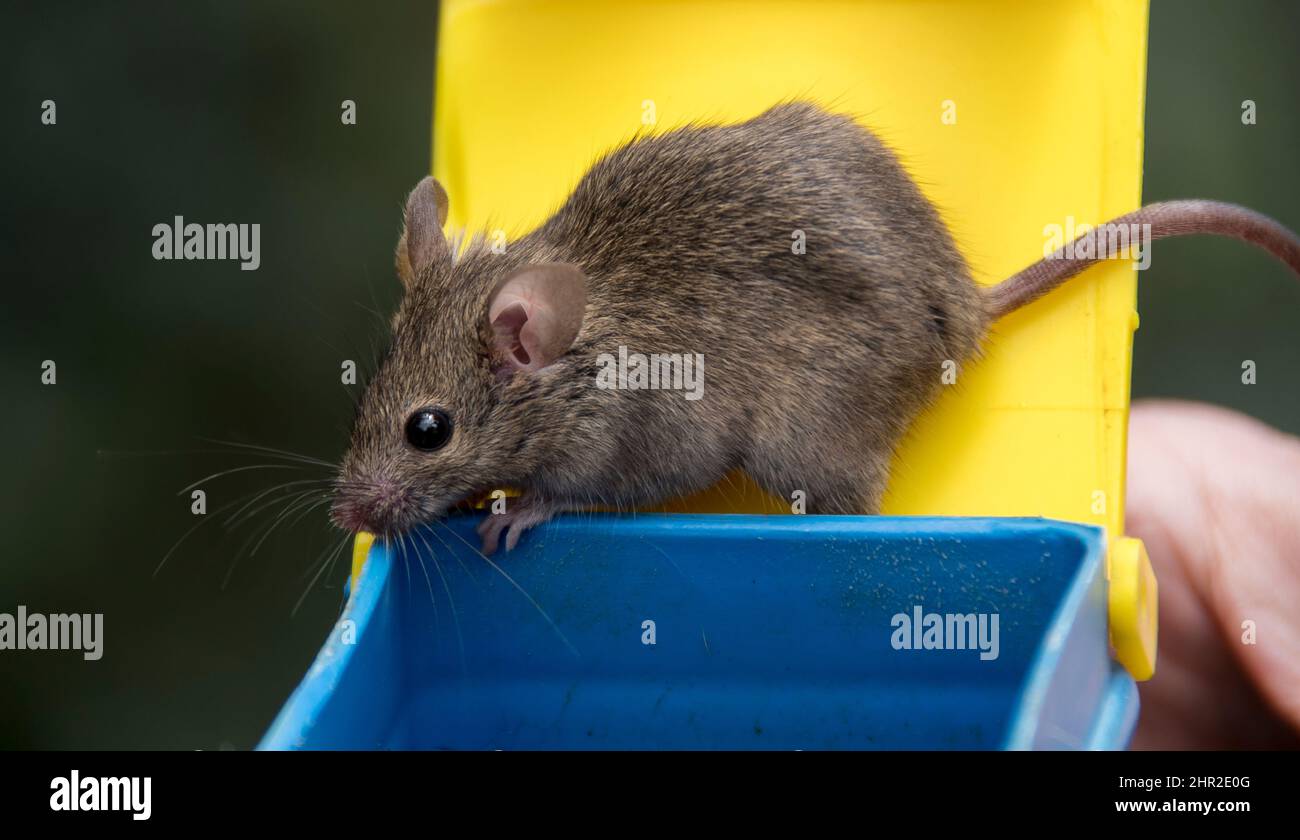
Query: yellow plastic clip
point(1133, 607)
point(360, 551)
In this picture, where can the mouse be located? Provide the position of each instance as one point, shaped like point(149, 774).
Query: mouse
point(813, 361)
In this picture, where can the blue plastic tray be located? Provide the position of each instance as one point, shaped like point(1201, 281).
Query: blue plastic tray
point(771, 632)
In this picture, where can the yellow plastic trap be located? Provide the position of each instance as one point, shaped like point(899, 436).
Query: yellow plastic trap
point(1011, 116)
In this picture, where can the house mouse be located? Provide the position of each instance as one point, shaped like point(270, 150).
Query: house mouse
point(815, 359)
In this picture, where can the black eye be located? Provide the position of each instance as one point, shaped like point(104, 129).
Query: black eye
point(428, 429)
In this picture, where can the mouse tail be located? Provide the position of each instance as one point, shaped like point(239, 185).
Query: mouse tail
point(1167, 218)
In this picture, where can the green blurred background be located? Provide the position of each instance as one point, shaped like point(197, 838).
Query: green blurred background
point(230, 112)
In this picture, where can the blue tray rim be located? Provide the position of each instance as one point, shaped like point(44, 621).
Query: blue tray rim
point(293, 724)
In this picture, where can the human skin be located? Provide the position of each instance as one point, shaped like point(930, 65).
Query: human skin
point(1215, 496)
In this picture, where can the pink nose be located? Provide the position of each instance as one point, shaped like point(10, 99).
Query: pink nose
point(373, 507)
point(350, 516)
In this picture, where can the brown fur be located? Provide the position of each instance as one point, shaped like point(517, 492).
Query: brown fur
point(814, 364)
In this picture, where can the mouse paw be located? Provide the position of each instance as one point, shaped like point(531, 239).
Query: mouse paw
point(518, 517)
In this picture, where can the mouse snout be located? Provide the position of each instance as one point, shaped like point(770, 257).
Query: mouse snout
point(379, 507)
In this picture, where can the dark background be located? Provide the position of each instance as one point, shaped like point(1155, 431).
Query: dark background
point(230, 113)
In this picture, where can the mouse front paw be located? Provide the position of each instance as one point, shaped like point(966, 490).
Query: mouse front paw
point(520, 515)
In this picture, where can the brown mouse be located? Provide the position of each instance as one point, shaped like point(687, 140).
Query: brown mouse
point(814, 363)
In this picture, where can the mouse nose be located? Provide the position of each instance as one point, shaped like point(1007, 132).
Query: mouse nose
point(349, 515)
point(373, 507)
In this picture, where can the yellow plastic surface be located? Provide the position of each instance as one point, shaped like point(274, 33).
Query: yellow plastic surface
point(1048, 100)
point(1133, 599)
point(360, 550)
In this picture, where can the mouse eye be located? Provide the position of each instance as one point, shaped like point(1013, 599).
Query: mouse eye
point(428, 429)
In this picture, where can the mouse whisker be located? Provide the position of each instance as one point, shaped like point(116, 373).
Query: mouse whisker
point(152, 453)
point(437, 619)
point(382, 322)
point(207, 518)
point(462, 563)
point(202, 521)
point(239, 517)
point(271, 450)
point(302, 505)
point(460, 639)
point(338, 555)
point(517, 587)
point(330, 547)
point(262, 531)
point(233, 470)
point(395, 545)
point(323, 566)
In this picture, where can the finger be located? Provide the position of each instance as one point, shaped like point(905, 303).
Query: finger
point(1216, 498)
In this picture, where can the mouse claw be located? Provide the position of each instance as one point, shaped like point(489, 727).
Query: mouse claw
point(512, 536)
point(490, 530)
point(522, 516)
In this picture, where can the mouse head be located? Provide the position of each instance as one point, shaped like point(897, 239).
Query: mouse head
point(470, 395)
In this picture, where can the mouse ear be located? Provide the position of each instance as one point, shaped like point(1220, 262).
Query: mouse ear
point(536, 313)
point(422, 242)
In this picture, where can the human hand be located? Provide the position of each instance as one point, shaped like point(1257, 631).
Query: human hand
point(1215, 495)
